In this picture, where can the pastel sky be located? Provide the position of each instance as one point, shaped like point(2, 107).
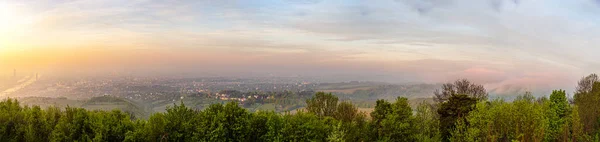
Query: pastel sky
point(531, 43)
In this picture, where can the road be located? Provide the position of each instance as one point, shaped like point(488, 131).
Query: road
point(26, 81)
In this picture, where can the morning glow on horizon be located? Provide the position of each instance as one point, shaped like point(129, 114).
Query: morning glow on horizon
point(494, 41)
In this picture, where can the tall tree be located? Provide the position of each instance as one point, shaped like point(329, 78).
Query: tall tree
point(346, 112)
point(306, 127)
point(586, 84)
point(426, 123)
point(358, 129)
point(464, 87)
point(179, 123)
point(223, 123)
point(589, 108)
point(322, 104)
point(457, 107)
point(577, 133)
point(74, 126)
point(398, 125)
point(382, 109)
point(556, 112)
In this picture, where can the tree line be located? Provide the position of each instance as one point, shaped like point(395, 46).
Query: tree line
point(462, 113)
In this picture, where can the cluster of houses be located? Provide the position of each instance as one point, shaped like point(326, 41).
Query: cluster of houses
point(228, 97)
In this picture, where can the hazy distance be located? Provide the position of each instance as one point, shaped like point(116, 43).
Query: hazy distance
point(538, 45)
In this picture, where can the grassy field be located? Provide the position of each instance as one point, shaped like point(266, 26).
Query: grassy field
point(265, 107)
point(346, 90)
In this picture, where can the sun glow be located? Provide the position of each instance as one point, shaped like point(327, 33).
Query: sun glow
point(12, 23)
point(8, 16)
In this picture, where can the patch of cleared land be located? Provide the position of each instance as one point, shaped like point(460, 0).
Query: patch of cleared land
point(346, 91)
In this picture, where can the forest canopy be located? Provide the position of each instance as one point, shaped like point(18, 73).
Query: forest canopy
point(462, 114)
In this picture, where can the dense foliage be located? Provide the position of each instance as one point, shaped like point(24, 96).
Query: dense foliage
point(458, 118)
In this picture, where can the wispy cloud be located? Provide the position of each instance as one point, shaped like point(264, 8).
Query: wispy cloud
point(511, 38)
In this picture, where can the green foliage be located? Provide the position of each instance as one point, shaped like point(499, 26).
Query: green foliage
point(427, 124)
point(381, 110)
point(11, 121)
point(588, 103)
point(358, 129)
point(576, 127)
point(338, 134)
point(462, 132)
point(346, 112)
point(305, 127)
point(522, 120)
point(112, 126)
point(457, 107)
point(322, 104)
point(398, 125)
point(461, 118)
point(557, 110)
point(393, 122)
point(224, 123)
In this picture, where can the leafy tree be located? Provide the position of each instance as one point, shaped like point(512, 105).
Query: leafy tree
point(586, 84)
point(557, 111)
point(274, 124)
point(141, 132)
point(179, 123)
point(113, 126)
point(462, 132)
point(322, 104)
point(464, 87)
point(457, 107)
point(576, 127)
point(306, 127)
point(36, 129)
point(258, 126)
point(588, 103)
point(338, 134)
point(426, 123)
point(346, 112)
point(521, 120)
point(11, 121)
point(75, 125)
point(358, 129)
point(223, 123)
point(382, 109)
point(398, 124)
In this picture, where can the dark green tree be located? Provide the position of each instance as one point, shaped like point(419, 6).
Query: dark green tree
point(11, 121)
point(75, 125)
point(398, 124)
point(457, 107)
point(224, 123)
point(36, 127)
point(587, 101)
point(113, 125)
point(306, 127)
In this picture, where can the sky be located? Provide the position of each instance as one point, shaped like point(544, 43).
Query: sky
point(500, 43)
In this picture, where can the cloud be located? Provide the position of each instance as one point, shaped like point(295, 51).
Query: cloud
point(493, 41)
